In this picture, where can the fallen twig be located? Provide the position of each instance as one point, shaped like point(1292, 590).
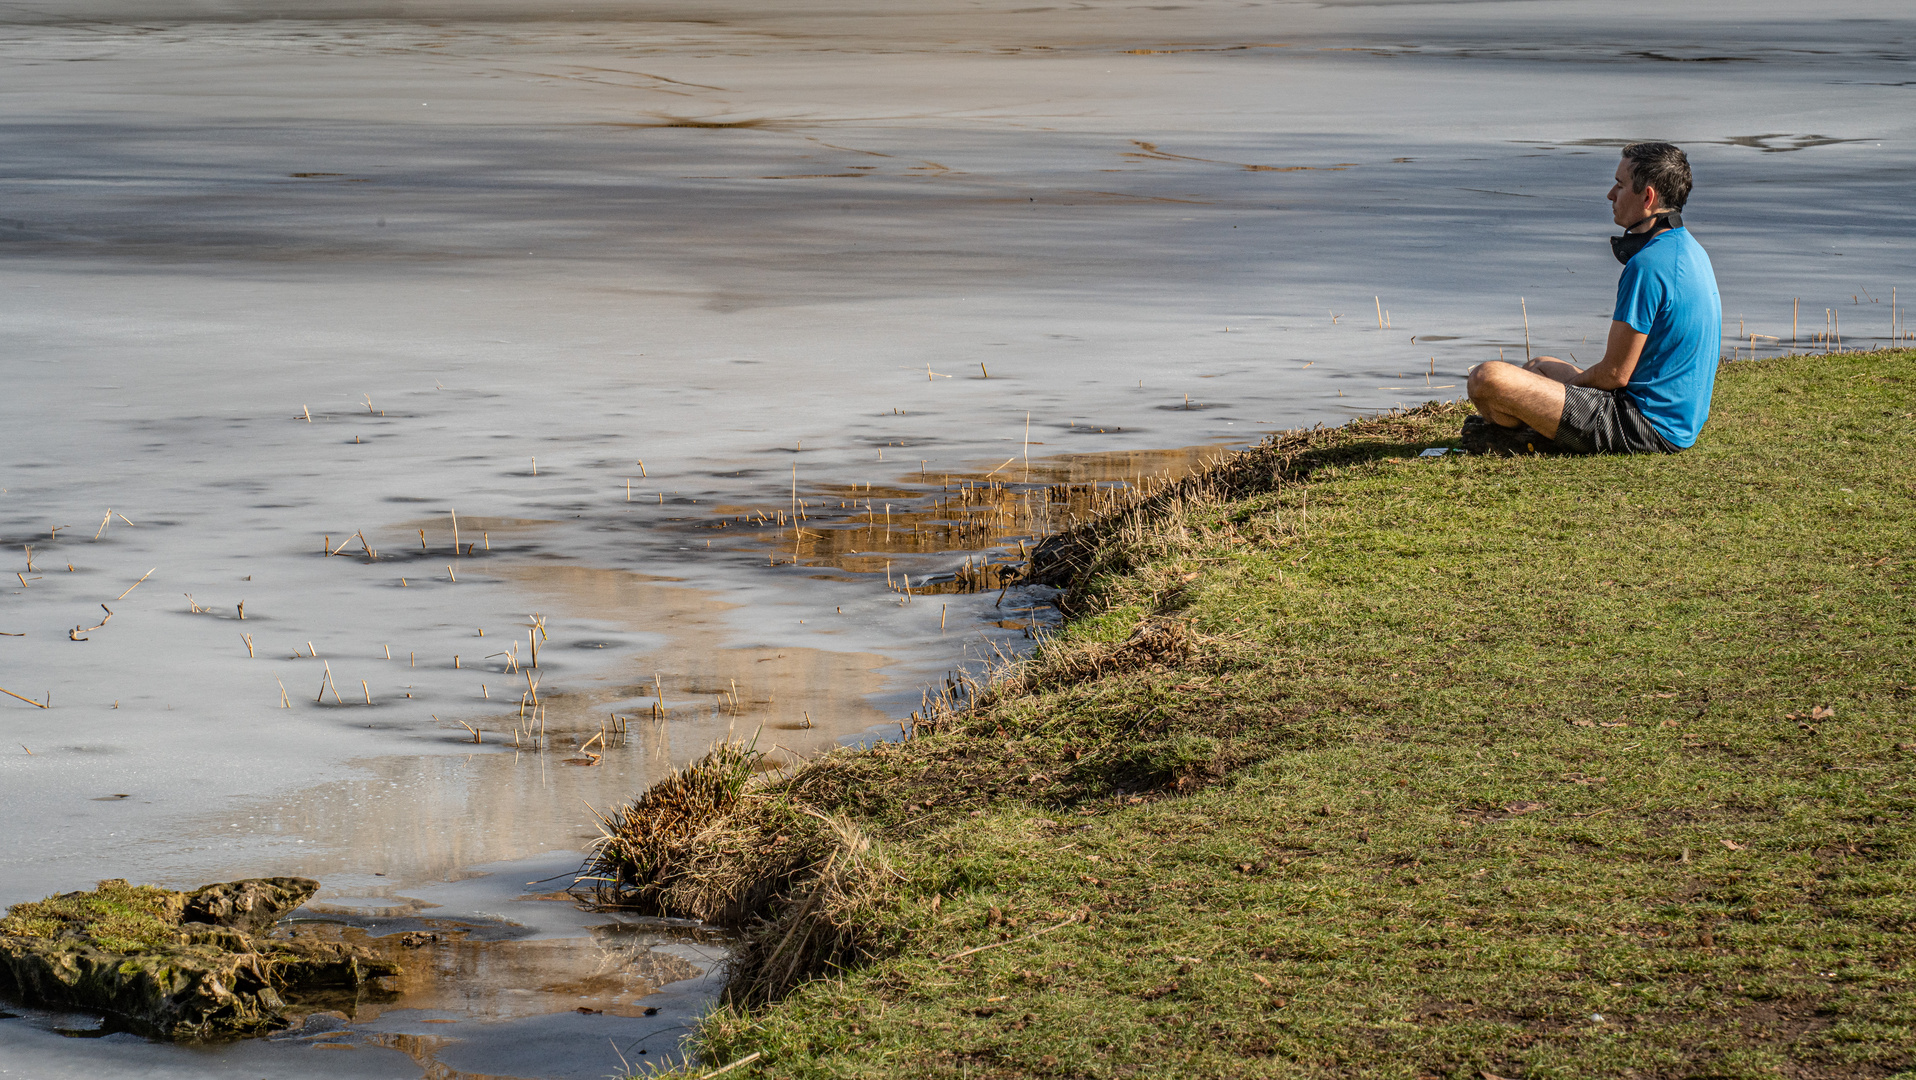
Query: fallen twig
point(746, 1060)
point(1017, 941)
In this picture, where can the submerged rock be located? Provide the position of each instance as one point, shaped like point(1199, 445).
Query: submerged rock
point(178, 965)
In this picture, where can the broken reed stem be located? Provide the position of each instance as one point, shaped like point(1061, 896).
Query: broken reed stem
point(1380, 311)
point(103, 523)
point(450, 574)
point(28, 700)
point(249, 645)
point(1526, 328)
point(455, 531)
point(284, 701)
point(368, 690)
point(135, 585)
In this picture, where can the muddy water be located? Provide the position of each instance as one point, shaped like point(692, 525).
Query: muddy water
point(744, 343)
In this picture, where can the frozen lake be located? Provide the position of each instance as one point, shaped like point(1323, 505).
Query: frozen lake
point(285, 277)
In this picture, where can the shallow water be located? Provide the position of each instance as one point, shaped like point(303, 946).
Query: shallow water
point(617, 284)
point(501, 977)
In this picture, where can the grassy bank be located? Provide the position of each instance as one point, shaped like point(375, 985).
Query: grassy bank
point(1396, 767)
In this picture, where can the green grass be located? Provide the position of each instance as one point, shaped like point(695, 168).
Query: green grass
point(1539, 767)
point(116, 916)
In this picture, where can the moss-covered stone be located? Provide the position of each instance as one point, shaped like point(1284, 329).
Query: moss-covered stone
point(181, 965)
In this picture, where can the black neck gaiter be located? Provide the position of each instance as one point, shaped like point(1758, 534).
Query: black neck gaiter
point(1627, 245)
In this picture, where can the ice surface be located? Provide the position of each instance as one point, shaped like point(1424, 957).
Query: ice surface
point(734, 240)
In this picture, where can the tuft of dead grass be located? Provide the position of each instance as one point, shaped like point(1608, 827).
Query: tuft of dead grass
point(725, 843)
point(826, 921)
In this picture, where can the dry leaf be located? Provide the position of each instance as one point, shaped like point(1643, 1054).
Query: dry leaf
point(1614, 723)
point(1671, 723)
point(1523, 807)
point(1584, 723)
point(1261, 980)
point(1732, 845)
point(1822, 712)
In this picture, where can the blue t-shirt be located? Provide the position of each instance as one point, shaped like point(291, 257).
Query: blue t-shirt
point(1668, 292)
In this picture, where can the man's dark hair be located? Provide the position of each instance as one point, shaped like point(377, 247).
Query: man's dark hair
point(1663, 166)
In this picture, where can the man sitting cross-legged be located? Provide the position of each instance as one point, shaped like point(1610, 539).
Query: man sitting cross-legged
point(1651, 391)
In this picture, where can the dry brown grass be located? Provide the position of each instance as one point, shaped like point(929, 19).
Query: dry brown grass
point(728, 844)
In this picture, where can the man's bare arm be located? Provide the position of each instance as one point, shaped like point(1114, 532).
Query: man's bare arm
point(1620, 356)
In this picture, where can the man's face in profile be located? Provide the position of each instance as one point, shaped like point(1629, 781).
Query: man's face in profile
point(1626, 204)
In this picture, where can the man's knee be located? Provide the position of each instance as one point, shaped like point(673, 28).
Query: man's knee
point(1485, 378)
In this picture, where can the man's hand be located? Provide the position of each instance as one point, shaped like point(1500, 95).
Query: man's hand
point(1552, 368)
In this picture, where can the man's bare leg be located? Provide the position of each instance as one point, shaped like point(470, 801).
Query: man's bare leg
point(1511, 396)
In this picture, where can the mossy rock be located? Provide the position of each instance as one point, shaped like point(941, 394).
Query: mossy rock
point(177, 965)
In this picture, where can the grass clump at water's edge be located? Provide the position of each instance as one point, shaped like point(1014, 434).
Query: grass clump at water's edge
point(1530, 767)
point(116, 916)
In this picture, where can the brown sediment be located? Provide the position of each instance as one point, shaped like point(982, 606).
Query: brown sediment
point(703, 677)
point(469, 970)
point(859, 529)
